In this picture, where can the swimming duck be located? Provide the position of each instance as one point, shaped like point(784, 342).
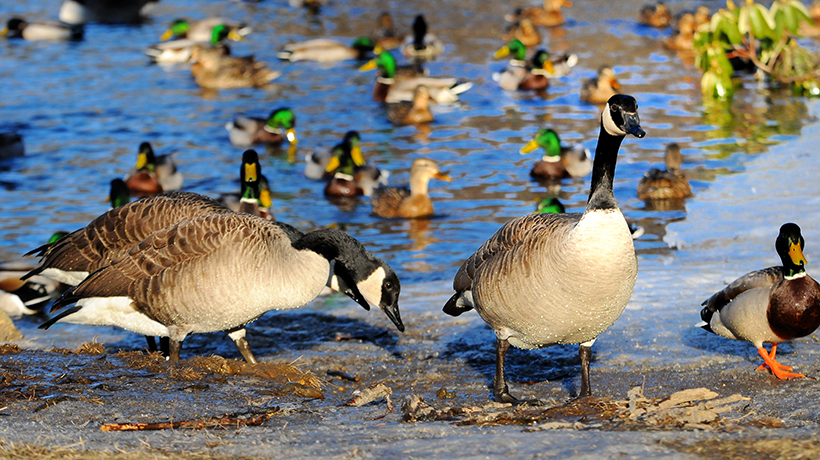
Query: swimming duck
point(11, 145)
point(558, 66)
point(254, 193)
point(549, 205)
point(520, 75)
point(351, 177)
point(325, 50)
point(772, 305)
point(505, 279)
point(42, 30)
point(409, 202)
point(198, 288)
point(389, 87)
point(656, 15)
point(422, 44)
point(385, 34)
point(665, 184)
point(559, 161)
point(153, 174)
point(118, 194)
point(201, 31)
point(598, 90)
point(549, 15)
point(411, 113)
point(523, 30)
point(105, 11)
point(181, 50)
point(212, 69)
point(274, 130)
point(683, 37)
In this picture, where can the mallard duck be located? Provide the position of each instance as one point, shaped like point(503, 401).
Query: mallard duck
point(274, 130)
point(598, 90)
point(422, 44)
point(656, 15)
point(181, 50)
point(105, 11)
point(772, 305)
point(254, 190)
point(11, 145)
point(385, 34)
point(27, 296)
point(153, 174)
point(201, 31)
point(390, 88)
point(520, 75)
point(665, 184)
point(549, 15)
point(325, 50)
point(559, 161)
point(549, 205)
point(409, 202)
point(42, 30)
point(233, 268)
point(506, 277)
point(411, 113)
point(214, 70)
point(556, 66)
point(350, 175)
point(683, 38)
point(523, 30)
point(118, 193)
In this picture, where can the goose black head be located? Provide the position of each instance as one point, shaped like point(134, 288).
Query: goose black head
point(620, 116)
point(380, 287)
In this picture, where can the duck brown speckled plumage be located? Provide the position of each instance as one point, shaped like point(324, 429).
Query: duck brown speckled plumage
point(598, 90)
point(668, 183)
point(409, 202)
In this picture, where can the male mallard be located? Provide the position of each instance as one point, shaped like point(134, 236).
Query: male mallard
point(665, 184)
point(180, 50)
point(598, 90)
point(347, 159)
point(559, 161)
point(325, 50)
point(214, 70)
point(390, 88)
point(254, 189)
point(11, 145)
point(42, 30)
point(274, 130)
point(656, 15)
point(153, 174)
point(118, 193)
point(201, 31)
point(422, 44)
point(548, 205)
point(772, 305)
point(588, 260)
point(523, 30)
point(105, 11)
point(549, 15)
point(409, 202)
point(21, 295)
point(519, 75)
point(385, 34)
point(411, 113)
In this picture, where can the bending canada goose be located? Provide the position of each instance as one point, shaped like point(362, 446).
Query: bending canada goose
point(326, 50)
point(772, 305)
point(422, 44)
point(42, 30)
point(542, 278)
point(559, 161)
point(656, 15)
point(411, 113)
point(274, 130)
point(221, 271)
point(153, 174)
point(105, 11)
point(409, 202)
point(390, 88)
point(201, 31)
point(665, 184)
point(212, 69)
point(598, 90)
point(523, 30)
point(11, 145)
point(254, 194)
point(549, 15)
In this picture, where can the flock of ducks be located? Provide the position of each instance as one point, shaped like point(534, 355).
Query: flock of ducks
point(177, 263)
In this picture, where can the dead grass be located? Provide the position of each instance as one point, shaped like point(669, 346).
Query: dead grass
point(29, 451)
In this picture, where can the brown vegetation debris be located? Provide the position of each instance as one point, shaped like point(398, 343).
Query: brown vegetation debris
point(301, 391)
point(223, 422)
point(91, 348)
point(9, 349)
point(370, 394)
point(760, 449)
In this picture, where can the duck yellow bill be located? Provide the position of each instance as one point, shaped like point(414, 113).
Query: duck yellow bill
point(443, 176)
point(291, 135)
point(332, 164)
point(233, 35)
point(796, 254)
point(356, 154)
point(549, 67)
point(531, 146)
point(4, 31)
point(264, 199)
point(503, 51)
point(250, 173)
point(369, 65)
point(142, 161)
point(378, 50)
point(167, 34)
point(615, 85)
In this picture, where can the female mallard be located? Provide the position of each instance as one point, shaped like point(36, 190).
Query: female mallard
point(524, 31)
point(201, 31)
point(42, 30)
point(559, 161)
point(153, 174)
point(656, 15)
point(325, 50)
point(505, 279)
point(598, 90)
point(274, 130)
point(389, 87)
point(665, 184)
point(422, 44)
point(772, 305)
point(409, 202)
point(215, 70)
point(411, 113)
point(233, 268)
point(181, 50)
point(254, 192)
point(549, 15)
point(350, 175)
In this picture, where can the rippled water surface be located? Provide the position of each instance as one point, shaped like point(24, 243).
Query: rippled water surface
point(83, 108)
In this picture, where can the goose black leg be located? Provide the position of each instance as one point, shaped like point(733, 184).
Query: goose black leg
point(585, 352)
point(501, 392)
point(174, 347)
point(238, 337)
point(165, 346)
point(152, 344)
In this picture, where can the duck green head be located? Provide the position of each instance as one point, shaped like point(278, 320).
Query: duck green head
point(282, 119)
point(145, 158)
point(365, 46)
point(385, 62)
point(57, 236)
point(346, 155)
point(549, 205)
point(119, 194)
point(789, 246)
point(178, 28)
point(548, 140)
point(514, 48)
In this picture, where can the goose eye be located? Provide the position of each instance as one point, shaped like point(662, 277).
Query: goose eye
point(388, 285)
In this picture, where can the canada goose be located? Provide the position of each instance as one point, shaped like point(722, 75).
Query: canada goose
point(598, 90)
point(181, 50)
point(543, 279)
point(389, 87)
point(105, 11)
point(665, 184)
point(525, 31)
point(201, 31)
point(411, 113)
point(559, 161)
point(326, 50)
point(409, 202)
point(656, 15)
point(11, 145)
point(221, 271)
point(254, 194)
point(274, 130)
point(215, 70)
point(153, 174)
point(422, 44)
point(549, 15)
point(772, 305)
point(41, 30)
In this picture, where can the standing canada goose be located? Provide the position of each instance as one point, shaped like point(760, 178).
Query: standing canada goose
point(422, 44)
point(409, 202)
point(254, 193)
point(665, 184)
point(200, 31)
point(153, 174)
point(390, 87)
point(221, 271)
point(656, 15)
point(772, 305)
point(549, 15)
point(41, 30)
point(411, 113)
point(274, 130)
point(559, 161)
point(598, 90)
point(546, 279)
point(326, 50)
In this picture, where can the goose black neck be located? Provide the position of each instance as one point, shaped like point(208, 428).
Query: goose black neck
point(601, 196)
point(333, 244)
